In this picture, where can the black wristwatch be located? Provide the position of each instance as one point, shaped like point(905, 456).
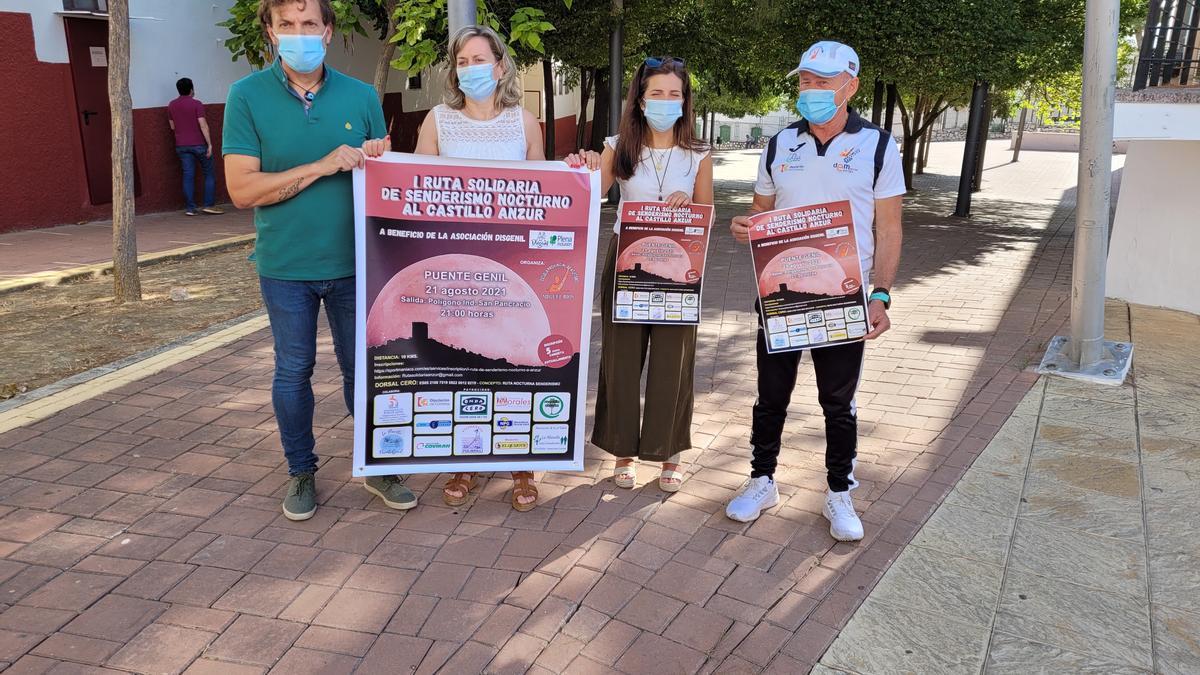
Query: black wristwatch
point(882, 295)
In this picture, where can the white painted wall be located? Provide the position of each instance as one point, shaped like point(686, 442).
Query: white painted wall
point(180, 38)
point(1156, 231)
point(185, 42)
point(1137, 121)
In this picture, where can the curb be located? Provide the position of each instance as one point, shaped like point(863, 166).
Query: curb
point(34, 406)
point(100, 269)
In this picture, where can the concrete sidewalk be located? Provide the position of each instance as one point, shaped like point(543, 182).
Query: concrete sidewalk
point(47, 254)
point(1070, 545)
point(140, 526)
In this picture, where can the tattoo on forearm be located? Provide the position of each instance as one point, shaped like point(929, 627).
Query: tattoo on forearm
point(288, 191)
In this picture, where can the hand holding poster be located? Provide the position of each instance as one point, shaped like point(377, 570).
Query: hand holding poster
point(660, 263)
point(810, 280)
point(474, 311)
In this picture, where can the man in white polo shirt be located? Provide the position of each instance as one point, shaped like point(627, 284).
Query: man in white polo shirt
point(830, 155)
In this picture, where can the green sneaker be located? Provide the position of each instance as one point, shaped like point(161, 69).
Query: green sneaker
point(391, 491)
point(301, 500)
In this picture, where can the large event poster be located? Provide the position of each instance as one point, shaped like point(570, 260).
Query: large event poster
point(660, 263)
point(474, 314)
point(810, 279)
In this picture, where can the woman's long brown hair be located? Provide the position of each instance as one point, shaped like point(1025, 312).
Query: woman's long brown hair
point(635, 130)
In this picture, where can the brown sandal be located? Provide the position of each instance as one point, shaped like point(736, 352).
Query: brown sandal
point(461, 483)
point(523, 487)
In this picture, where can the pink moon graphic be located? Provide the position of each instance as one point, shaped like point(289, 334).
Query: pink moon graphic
point(513, 333)
point(657, 255)
point(803, 269)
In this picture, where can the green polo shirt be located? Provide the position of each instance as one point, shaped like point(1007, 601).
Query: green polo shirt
point(309, 237)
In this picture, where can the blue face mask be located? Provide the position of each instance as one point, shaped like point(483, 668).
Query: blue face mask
point(477, 82)
point(663, 113)
point(302, 53)
point(818, 106)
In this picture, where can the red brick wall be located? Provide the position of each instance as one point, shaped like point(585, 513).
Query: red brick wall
point(564, 135)
point(41, 147)
point(43, 181)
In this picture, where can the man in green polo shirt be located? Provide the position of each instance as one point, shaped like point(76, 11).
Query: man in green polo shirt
point(292, 133)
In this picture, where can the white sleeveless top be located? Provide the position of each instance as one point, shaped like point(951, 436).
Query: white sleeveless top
point(678, 175)
point(502, 137)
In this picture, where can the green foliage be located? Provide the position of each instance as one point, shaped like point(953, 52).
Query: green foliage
point(527, 27)
point(422, 31)
point(739, 50)
point(248, 41)
point(1054, 81)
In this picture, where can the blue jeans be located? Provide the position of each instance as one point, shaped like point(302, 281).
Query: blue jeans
point(292, 307)
point(188, 156)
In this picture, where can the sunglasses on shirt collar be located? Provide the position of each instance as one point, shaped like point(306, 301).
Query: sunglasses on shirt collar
point(658, 61)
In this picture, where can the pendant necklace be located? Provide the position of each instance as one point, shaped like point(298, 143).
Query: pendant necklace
point(309, 94)
point(660, 171)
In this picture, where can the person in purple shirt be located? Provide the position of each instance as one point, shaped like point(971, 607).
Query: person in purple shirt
point(193, 144)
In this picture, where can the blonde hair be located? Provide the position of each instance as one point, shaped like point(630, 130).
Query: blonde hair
point(509, 92)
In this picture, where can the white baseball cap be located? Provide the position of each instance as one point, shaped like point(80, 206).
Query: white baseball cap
point(828, 58)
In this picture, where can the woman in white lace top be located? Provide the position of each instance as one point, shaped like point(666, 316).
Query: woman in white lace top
point(483, 118)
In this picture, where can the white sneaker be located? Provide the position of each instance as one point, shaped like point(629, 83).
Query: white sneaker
point(757, 494)
point(844, 524)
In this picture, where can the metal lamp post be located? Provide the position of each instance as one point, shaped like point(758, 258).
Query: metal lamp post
point(1084, 354)
point(461, 13)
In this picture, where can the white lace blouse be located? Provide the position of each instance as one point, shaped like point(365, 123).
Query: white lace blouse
point(502, 137)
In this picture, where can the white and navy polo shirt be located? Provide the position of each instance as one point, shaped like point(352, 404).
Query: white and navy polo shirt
point(860, 165)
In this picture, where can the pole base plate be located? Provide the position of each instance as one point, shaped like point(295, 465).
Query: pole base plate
point(1110, 369)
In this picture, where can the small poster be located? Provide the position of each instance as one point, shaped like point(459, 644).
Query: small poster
point(99, 57)
point(661, 252)
point(810, 279)
point(474, 314)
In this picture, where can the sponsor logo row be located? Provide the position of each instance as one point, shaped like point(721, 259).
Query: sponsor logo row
point(435, 412)
point(470, 440)
point(648, 298)
point(816, 327)
point(655, 313)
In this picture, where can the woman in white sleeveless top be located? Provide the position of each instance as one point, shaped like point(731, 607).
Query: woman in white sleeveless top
point(656, 158)
point(482, 118)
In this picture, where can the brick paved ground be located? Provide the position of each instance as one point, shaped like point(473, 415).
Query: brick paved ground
point(141, 531)
point(55, 248)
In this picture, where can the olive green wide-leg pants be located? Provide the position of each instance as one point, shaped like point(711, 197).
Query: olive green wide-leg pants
point(664, 428)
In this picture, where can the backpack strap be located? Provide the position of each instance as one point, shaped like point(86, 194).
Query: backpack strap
point(880, 151)
point(774, 142)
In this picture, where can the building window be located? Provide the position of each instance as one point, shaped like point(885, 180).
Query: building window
point(414, 82)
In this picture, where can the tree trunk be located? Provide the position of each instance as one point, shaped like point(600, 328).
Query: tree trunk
point(890, 107)
point(877, 102)
point(585, 92)
point(384, 66)
point(712, 129)
point(983, 139)
point(923, 152)
point(909, 143)
point(925, 131)
point(548, 85)
point(928, 142)
point(704, 125)
point(1020, 134)
point(600, 112)
point(127, 286)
